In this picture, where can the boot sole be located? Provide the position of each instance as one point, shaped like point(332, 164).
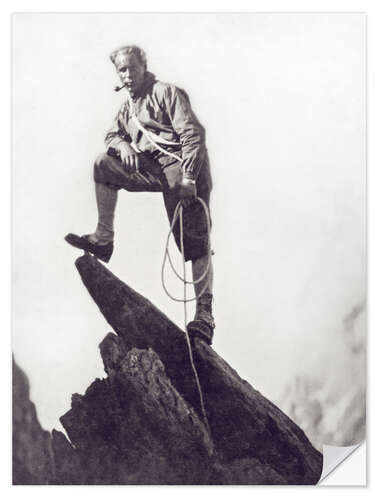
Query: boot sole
point(97, 250)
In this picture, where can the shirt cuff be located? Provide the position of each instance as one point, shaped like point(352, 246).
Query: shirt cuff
point(115, 142)
point(189, 175)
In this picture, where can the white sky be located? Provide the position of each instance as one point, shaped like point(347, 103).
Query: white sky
point(282, 99)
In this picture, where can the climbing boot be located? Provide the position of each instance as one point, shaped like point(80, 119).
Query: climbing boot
point(102, 251)
point(203, 324)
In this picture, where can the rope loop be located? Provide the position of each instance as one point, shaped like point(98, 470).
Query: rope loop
point(178, 212)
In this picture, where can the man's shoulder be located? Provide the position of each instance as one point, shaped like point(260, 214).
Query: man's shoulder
point(167, 90)
point(161, 87)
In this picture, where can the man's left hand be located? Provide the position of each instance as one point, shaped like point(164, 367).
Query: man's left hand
point(188, 192)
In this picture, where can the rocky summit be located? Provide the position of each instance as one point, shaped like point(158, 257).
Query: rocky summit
point(143, 423)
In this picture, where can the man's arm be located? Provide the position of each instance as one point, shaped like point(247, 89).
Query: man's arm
point(118, 140)
point(117, 133)
point(190, 131)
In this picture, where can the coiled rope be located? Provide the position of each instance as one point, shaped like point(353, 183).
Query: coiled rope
point(178, 213)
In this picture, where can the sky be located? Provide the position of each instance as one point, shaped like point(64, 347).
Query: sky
point(282, 98)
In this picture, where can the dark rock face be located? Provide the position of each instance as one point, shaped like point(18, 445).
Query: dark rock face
point(142, 424)
point(135, 428)
point(32, 453)
point(68, 467)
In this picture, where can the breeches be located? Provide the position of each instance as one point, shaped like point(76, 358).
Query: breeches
point(110, 171)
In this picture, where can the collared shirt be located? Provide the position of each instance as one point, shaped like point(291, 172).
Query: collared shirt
point(164, 110)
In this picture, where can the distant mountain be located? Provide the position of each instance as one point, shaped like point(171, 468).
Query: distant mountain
point(331, 409)
point(32, 450)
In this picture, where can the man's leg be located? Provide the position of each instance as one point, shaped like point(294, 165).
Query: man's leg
point(196, 248)
point(109, 177)
point(198, 267)
point(106, 200)
point(203, 324)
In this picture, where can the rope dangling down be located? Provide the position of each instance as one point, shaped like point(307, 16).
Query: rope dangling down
point(178, 214)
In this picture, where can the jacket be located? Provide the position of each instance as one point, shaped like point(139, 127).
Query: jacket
point(165, 110)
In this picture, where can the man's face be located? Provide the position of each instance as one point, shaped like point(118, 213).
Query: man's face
point(130, 71)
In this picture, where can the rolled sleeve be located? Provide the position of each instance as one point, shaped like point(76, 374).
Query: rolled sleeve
point(117, 134)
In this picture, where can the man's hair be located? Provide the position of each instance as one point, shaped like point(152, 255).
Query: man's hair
point(130, 49)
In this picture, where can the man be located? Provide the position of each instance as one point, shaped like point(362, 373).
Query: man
point(156, 144)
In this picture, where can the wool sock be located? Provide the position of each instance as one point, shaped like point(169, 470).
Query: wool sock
point(198, 267)
point(106, 199)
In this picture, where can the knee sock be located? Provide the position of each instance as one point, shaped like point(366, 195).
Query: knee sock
point(106, 199)
point(198, 267)
point(203, 309)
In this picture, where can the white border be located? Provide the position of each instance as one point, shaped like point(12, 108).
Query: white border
point(7, 7)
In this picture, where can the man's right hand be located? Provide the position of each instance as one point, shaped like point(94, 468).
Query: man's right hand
point(128, 157)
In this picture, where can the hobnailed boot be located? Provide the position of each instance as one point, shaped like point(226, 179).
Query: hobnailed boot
point(99, 243)
point(102, 251)
point(203, 324)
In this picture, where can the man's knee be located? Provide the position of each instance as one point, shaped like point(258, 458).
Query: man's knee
point(100, 167)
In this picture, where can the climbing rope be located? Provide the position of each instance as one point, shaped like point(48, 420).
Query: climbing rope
point(178, 213)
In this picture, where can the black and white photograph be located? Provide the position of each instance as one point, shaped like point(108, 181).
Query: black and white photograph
point(189, 268)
